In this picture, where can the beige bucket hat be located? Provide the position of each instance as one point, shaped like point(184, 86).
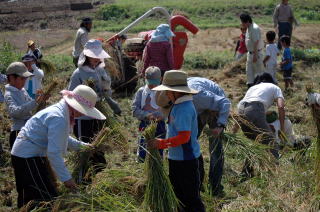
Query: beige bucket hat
point(19, 69)
point(93, 48)
point(83, 99)
point(175, 80)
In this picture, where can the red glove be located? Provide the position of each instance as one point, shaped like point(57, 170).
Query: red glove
point(182, 138)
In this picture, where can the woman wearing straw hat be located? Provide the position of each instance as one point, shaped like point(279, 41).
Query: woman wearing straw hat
point(158, 51)
point(91, 68)
point(184, 148)
point(43, 141)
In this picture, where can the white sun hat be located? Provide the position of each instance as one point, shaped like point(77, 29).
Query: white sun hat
point(83, 100)
point(93, 48)
point(175, 80)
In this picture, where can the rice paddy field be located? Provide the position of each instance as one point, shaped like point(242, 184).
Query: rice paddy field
point(287, 185)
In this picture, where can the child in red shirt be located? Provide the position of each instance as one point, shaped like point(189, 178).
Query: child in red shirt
point(241, 48)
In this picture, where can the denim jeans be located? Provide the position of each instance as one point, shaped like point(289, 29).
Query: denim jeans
point(216, 154)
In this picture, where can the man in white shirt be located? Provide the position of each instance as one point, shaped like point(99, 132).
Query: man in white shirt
point(254, 45)
point(81, 39)
point(253, 107)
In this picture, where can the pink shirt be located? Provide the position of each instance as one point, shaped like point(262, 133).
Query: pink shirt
point(158, 54)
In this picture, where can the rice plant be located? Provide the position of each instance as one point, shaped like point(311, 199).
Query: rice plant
point(315, 111)
point(159, 195)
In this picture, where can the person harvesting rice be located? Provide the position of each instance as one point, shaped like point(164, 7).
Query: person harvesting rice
point(212, 108)
point(91, 68)
point(19, 104)
point(253, 107)
point(184, 148)
point(44, 140)
point(145, 109)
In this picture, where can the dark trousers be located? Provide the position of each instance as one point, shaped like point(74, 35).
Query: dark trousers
point(34, 179)
point(160, 133)
point(256, 124)
point(285, 28)
point(85, 130)
point(216, 155)
point(185, 179)
point(12, 137)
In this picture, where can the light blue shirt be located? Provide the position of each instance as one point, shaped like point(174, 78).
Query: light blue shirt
point(19, 106)
point(47, 134)
point(183, 117)
point(3, 80)
point(210, 97)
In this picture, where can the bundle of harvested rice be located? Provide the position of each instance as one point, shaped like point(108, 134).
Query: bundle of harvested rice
point(159, 195)
point(315, 111)
point(253, 151)
point(47, 66)
point(47, 93)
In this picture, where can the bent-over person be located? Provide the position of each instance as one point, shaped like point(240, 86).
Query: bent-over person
point(44, 140)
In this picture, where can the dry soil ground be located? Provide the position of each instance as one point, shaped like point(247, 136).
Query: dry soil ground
point(60, 41)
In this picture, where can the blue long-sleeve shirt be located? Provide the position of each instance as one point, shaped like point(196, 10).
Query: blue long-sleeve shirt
point(3, 80)
point(19, 106)
point(47, 134)
point(210, 97)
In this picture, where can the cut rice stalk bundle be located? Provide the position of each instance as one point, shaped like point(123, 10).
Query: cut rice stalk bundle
point(315, 111)
point(47, 66)
point(159, 195)
point(104, 142)
point(113, 123)
point(254, 151)
point(47, 92)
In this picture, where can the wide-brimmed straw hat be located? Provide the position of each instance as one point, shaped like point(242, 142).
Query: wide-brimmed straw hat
point(93, 48)
point(30, 43)
point(175, 80)
point(19, 69)
point(83, 100)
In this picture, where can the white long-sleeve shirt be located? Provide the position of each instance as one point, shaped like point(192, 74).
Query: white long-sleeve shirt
point(47, 134)
point(36, 79)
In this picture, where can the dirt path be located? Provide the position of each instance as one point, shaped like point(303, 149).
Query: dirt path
point(61, 41)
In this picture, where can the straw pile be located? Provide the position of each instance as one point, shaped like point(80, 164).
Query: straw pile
point(159, 195)
point(316, 117)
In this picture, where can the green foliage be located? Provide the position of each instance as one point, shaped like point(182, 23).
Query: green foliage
point(207, 60)
point(312, 15)
point(8, 55)
point(205, 13)
point(112, 12)
point(62, 62)
point(307, 55)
